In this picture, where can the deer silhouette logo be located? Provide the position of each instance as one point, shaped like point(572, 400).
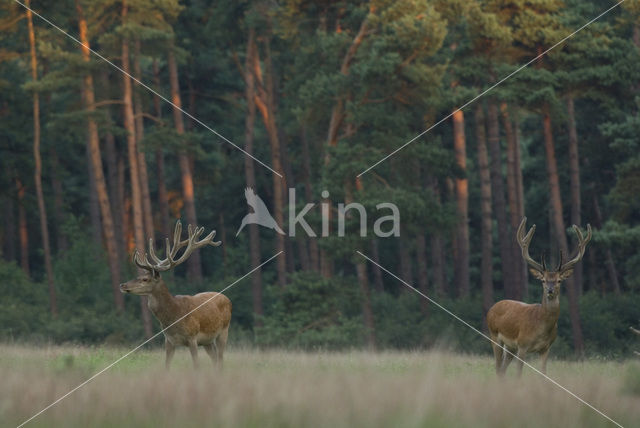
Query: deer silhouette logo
point(260, 214)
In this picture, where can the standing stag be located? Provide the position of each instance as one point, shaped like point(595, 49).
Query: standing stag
point(521, 328)
point(208, 325)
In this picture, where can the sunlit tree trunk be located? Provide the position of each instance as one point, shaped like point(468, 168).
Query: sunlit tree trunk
point(94, 202)
point(147, 214)
point(9, 235)
point(134, 172)
point(499, 203)
point(265, 103)
point(462, 200)
point(194, 265)
point(574, 174)
point(96, 167)
point(250, 176)
point(44, 228)
point(486, 227)
point(558, 223)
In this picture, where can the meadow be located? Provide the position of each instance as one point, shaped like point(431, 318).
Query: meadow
point(268, 388)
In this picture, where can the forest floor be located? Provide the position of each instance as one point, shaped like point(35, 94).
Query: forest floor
point(293, 389)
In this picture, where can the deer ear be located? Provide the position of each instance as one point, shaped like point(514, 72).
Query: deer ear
point(536, 274)
point(566, 274)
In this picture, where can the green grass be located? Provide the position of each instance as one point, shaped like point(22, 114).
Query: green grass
point(293, 389)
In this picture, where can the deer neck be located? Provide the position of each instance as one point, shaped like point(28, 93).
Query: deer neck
point(551, 307)
point(163, 305)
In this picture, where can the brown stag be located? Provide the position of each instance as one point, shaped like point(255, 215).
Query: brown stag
point(521, 328)
point(190, 321)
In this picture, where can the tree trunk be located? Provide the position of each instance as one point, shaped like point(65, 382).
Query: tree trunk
point(486, 233)
point(9, 236)
point(462, 200)
point(62, 242)
point(265, 103)
point(194, 265)
point(558, 222)
point(423, 273)
point(23, 230)
point(574, 171)
point(499, 203)
point(608, 261)
point(94, 202)
point(44, 228)
point(96, 167)
point(520, 193)
point(404, 256)
point(512, 197)
point(314, 256)
point(377, 272)
point(250, 176)
point(163, 198)
point(437, 248)
point(134, 172)
point(147, 214)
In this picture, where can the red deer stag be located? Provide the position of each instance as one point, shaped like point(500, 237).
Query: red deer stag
point(208, 325)
point(521, 328)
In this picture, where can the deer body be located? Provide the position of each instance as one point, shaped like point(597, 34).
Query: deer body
point(520, 328)
point(192, 321)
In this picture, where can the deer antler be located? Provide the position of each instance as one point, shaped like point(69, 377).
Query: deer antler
point(582, 245)
point(170, 262)
point(524, 241)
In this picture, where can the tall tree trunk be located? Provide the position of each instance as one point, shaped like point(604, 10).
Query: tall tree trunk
point(134, 172)
point(163, 198)
point(363, 282)
point(520, 194)
point(265, 103)
point(314, 256)
point(608, 260)
point(512, 197)
point(94, 201)
point(147, 214)
point(558, 222)
point(9, 236)
point(194, 265)
point(250, 177)
point(62, 242)
point(499, 203)
point(23, 230)
point(96, 166)
point(437, 247)
point(486, 233)
point(404, 256)
point(111, 157)
point(461, 271)
point(574, 172)
point(44, 228)
point(377, 272)
point(423, 273)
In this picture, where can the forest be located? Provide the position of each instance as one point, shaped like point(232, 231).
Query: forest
point(117, 118)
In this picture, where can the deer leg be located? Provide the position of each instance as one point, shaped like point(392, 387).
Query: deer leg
point(212, 352)
point(221, 343)
point(507, 357)
point(170, 350)
point(543, 357)
point(521, 354)
point(193, 348)
point(497, 353)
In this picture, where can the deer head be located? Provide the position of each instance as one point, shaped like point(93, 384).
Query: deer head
point(148, 281)
point(551, 279)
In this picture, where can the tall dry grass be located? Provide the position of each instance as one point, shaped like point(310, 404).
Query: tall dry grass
point(288, 389)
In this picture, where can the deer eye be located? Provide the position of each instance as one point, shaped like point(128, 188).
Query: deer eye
point(145, 279)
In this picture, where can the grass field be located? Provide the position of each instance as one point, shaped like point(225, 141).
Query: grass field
point(289, 389)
